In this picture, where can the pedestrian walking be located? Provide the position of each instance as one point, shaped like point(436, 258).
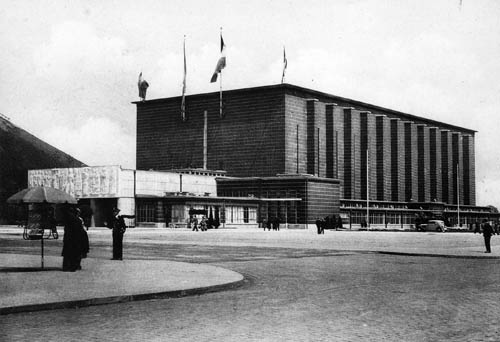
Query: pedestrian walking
point(194, 223)
point(319, 223)
point(203, 224)
point(117, 223)
point(487, 232)
point(74, 245)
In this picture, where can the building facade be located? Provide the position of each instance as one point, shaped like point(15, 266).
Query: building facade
point(377, 157)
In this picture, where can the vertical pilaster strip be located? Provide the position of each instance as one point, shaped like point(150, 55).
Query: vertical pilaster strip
point(330, 139)
point(411, 154)
point(457, 159)
point(395, 150)
point(466, 171)
point(423, 163)
point(383, 157)
point(320, 127)
point(386, 143)
point(311, 139)
point(348, 164)
point(401, 162)
point(414, 161)
point(469, 170)
point(338, 137)
point(446, 167)
point(364, 137)
point(372, 146)
point(435, 178)
point(357, 155)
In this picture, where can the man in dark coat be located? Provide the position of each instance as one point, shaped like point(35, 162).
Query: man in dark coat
point(75, 245)
point(487, 232)
point(319, 224)
point(117, 223)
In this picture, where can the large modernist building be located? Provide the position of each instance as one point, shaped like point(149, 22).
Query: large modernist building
point(300, 154)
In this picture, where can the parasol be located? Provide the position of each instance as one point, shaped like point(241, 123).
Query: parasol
point(41, 194)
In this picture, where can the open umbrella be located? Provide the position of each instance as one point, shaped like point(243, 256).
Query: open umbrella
point(41, 194)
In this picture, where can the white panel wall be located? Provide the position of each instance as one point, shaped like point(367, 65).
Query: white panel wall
point(157, 183)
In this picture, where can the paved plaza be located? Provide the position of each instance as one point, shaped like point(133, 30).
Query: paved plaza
point(297, 286)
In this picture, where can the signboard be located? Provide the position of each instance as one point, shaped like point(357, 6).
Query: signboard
point(81, 182)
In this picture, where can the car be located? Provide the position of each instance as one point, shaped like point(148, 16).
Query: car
point(433, 226)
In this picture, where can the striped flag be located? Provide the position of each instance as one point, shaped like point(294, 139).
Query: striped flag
point(285, 64)
point(183, 104)
point(221, 63)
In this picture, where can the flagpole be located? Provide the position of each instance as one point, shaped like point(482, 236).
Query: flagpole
point(220, 95)
point(183, 104)
point(220, 92)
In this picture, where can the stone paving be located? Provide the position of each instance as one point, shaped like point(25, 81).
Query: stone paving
point(299, 287)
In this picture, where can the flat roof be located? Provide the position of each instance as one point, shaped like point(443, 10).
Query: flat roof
point(314, 93)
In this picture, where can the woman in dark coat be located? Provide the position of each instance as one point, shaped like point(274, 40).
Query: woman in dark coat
point(75, 242)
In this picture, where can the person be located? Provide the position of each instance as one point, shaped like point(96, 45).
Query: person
point(487, 232)
point(194, 222)
point(117, 223)
point(477, 228)
point(276, 223)
point(269, 223)
point(318, 225)
point(203, 224)
point(74, 245)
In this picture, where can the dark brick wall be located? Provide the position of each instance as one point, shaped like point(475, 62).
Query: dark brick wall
point(423, 163)
point(330, 142)
point(356, 154)
point(468, 170)
point(457, 175)
point(321, 197)
point(411, 158)
point(248, 141)
point(311, 137)
point(435, 164)
point(338, 126)
point(348, 154)
point(296, 131)
point(395, 150)
point(286, 129)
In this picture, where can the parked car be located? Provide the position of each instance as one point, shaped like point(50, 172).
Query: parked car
point(433, 226)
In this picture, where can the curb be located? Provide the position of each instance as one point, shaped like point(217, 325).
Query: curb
point(121, 299)
point(441, 255)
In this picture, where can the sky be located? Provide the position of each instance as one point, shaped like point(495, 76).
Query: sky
point(70, 68)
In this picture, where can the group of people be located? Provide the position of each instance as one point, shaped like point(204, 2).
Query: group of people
point(196, 226)
point(202, 224)
point(329, 222)
point(272, 223)
point(76, 241)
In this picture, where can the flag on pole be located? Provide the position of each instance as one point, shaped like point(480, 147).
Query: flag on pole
point(183, 104)
point(221, 63)
point(285, 64)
